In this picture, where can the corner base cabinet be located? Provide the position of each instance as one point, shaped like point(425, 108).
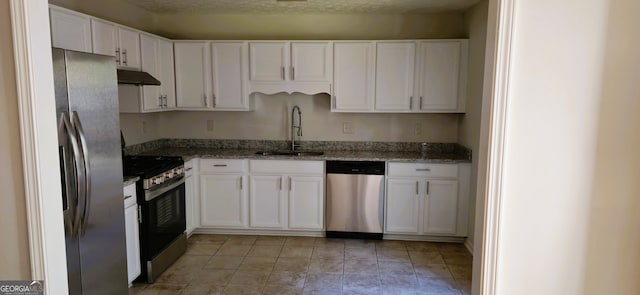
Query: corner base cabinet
point(132, 232)
point(427, 199)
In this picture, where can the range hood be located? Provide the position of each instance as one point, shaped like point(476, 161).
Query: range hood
point(136, 77)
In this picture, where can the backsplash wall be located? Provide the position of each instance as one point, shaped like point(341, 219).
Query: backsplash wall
point(271, 120)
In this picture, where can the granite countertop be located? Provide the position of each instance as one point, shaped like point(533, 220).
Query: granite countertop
point(130, 180)
point(190, 153)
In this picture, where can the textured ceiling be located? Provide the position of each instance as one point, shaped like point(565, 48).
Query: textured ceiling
point(309, 6)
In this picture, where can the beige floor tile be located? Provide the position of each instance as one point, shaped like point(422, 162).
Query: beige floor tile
point(265, 251)
point(224, 262)
point(233, 250)
point(464, 286)
point(250, 278)
point(421, 246)
point(213, 277)
point(393, 267)
point(360, 281)
point(323, 281)
point(325, 265)
point(177, 276)
point(209, 238)
point(270, 241)
point(460, 271)
point(332, 243)
point(190, 261)
point(393, 254)
point(203, 249)
point(462, 259)
point(300, 241)
point(432, 271)
point(327, 252)
point(258, 263)
point(307, 291)
point(425, 258)
point(362, 290)
point(387, 244)
point(361, 266)
point(241, 240)
point(287, 278)
point(360, 253)
point(137, 288)
point(281, 290)
point(242, 290)
point(438, 286)
point(360, 243)
point(296, 251)
point(394, 280)
point(202, 290)
point(292, 264)
point(452, 248)
point(162, 289)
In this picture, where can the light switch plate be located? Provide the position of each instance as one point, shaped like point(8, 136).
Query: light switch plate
point(347, 127)
point(209, 125)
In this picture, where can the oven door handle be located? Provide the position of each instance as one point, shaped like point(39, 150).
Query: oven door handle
point(154, 193)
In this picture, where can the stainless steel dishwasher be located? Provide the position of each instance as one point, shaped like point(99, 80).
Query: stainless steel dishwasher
point(355, 199)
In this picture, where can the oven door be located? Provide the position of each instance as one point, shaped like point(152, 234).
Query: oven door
point(162, 217)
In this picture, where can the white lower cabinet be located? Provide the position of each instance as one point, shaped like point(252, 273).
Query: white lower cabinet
point(286, 195)
point(132, 232)
point(223, 194)
point(192, 197)
point(427, 199)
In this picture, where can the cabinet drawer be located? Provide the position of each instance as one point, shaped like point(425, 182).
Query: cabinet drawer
point(424, 170)
point(286, 167)
point(221, 165)
point(130, 195)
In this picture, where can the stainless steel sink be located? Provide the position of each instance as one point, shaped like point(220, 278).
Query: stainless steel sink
point(289, 153)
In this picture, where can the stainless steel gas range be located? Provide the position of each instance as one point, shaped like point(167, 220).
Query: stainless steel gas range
point(162, 222)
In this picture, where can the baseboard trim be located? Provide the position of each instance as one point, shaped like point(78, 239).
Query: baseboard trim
point(469, 245)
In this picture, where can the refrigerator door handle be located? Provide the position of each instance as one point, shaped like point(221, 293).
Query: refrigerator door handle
point(73, 202)
point(75, 120)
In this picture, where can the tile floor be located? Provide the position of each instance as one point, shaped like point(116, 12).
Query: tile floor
point(224, 264)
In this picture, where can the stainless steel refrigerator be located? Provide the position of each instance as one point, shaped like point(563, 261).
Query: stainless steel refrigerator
point(91, 168)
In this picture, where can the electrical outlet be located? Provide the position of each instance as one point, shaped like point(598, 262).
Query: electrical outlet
point(209, 125)
point(417, 130)
point(347, 127)
point(144, 127)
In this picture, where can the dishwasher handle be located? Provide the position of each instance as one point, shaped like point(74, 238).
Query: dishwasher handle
point(356, 167)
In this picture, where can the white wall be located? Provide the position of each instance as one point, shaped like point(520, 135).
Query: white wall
point(469, 127)
point(14, 248)
point(568, 218)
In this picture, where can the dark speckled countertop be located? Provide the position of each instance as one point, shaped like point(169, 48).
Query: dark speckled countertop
point(190, 153)
point(130, 180)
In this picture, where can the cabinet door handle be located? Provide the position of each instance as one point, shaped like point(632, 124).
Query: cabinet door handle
point(118, 56)
point(160, 101)
point(166, 101)
point(417, 184)
point(214, 100)
point(205, 100)
point(219, 165)
point(289, 183)
point(280, 184)
point(427, 188)
point(293, 73)
point(241, 181)
point(128, 197)
point(410, 102)
point(423, 169)
point(335, 97)
point(124, 53)
point(282, 69)
point(420, 102)
point(139, 214)
point(188, 169)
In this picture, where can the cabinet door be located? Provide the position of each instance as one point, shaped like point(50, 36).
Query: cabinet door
point(192, 199)
point(192, 75)
point(266, 206)
point(306, 202)
point(222, 202)
point(310, 61)
point(167, 73)
point(70, 30)
point(129, 43)
point(228, 72)
point(440, 207)
point(403, 205)
point(151, 94)
point(353, 69)
point(439, 74)
point(104, 39)
point(267, 61)
point(394, 75)
point(133, 242)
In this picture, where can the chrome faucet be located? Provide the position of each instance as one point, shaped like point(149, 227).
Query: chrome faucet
point(294, 127)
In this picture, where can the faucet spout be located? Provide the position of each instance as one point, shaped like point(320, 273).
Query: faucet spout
point(295, 127)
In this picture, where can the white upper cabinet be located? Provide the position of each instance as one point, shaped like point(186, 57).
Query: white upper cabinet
point(353, 72)
point(192, 70)
point(394, 75)
point(442, 75)
point(70, 30)
point(114, 40)
point(157, 60)
point(290, 67)
point(229, 76)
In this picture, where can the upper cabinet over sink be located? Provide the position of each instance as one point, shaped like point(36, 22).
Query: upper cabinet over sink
point(301, 66)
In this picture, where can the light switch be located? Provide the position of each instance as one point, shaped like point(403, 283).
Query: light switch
point(347, 127)
point(209, 125)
